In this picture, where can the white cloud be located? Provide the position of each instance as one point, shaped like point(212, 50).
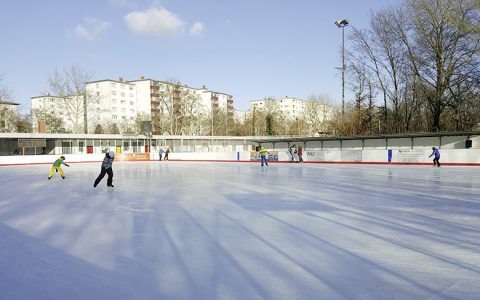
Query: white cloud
point(91, 28)
point(83, 33)
point(155, 22)
point(197, 29)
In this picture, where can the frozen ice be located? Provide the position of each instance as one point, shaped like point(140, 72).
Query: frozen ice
point(197, 230)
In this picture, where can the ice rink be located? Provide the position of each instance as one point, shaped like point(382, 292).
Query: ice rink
point(186, 230)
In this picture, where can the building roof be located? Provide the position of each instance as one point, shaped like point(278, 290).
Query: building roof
point(8, 103)
point(277, 139)
point(46, 96)
point(110, 80)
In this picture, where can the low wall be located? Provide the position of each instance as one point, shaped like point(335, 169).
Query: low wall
point(76, 158)
point(48, 159)
point(385, 156)
point(397, 156)
point(222, 156)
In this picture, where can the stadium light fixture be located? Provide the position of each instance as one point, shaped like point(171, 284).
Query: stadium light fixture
point(342, 24)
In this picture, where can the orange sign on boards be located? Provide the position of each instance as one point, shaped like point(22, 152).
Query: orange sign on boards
point(132, 156)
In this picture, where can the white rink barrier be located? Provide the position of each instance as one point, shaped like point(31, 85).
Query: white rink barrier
point(385, 156)
point(48, 159)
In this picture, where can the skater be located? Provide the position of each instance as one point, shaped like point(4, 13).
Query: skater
point(160, 153)
point(106, 169)
point(166, 154)
point(436, 157)
point(293, 151)
point(57, 167)
point(263, 156)
point(300, 153)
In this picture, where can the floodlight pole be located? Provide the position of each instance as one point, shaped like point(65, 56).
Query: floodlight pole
point(342, 24)
point(343, 70)
point(211, 102)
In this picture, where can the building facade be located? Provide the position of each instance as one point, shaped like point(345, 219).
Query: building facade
point(116, 105)
point(291, 107)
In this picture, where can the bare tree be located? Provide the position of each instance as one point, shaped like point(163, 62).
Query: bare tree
point(317, 114)
point(424, 55)
point(269, 119)
point(179, 106)
point(24, 123)
point(48, 119)
point(4, 94)
point(442, 53)
point(160, 122)
point(78, 105)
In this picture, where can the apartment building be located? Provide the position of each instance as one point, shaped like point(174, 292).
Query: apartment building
point(291, 107)
point(213, 100)
point(8, 116)
point(117, 100)
point(120, 101)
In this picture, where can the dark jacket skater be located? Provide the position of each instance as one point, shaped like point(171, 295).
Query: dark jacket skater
point(106, 169)
point(436, 157)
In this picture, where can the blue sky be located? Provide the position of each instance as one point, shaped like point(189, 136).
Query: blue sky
point(250, 49)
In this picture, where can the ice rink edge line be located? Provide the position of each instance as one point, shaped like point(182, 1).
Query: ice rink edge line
point(257, 162)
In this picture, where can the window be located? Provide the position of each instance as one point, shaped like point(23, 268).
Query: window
point(124, 117)
point(123, 102)
point(132, 103)
point(114, 109)
point(124, 110)
point(97, 85)
point(130, 88)
point(122, 86)
point(114, 92)
point(113, 84)
point(114, 101)
point(131, 95)
point(123, 94)
point(132, 111)
point(114, 117)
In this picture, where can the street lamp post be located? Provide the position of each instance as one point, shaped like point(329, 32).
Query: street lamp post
point(342, 24)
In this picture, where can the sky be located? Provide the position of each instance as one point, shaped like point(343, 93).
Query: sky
point(184, 230)
point(251, 49)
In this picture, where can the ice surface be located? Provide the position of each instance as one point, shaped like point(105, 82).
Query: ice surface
point(185, 230)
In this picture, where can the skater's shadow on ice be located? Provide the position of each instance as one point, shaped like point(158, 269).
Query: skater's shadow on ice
point(277, 202)
point(31, 267)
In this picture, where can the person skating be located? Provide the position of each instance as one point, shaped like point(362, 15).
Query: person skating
point(160, 153)
point(106, 169)
point(436, 157)
point(263, 156)
point(57, 166)
point(166, 154)
point(293, 151)
point(300, 154)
